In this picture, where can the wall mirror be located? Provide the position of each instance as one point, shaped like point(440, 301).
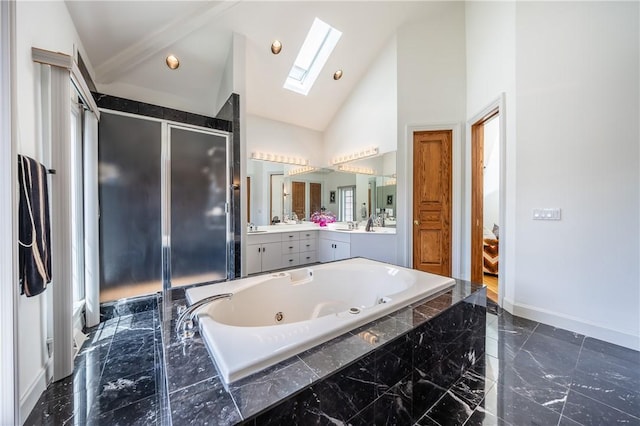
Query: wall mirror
point(275, 194)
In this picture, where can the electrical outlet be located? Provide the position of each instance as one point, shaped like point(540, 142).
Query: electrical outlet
point(547, 214)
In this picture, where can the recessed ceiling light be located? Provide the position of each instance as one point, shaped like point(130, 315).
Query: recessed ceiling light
point(276, 47)
point(337, 75)
point(172, 62)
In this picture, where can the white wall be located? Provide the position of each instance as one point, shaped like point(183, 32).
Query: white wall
point(46, 25)
point(276, 137)
point(431, 91)
point(577, 128)
point(368, 116)
point(491, 71)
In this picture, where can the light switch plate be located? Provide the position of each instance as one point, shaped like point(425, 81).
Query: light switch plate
point(547, 214)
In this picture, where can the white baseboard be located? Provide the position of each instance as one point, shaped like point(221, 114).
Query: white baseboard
point(571, 323)
point(507, 305)
point(30, 397)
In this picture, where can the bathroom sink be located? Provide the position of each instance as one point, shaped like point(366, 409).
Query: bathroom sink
point(344, 229)
point(255, 232)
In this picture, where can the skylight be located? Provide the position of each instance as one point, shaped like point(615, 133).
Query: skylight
point(320, 42)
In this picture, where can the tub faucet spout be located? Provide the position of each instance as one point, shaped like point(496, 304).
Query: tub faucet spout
point(190, 312)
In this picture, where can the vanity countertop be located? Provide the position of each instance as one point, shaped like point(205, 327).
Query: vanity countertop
point(335, 227)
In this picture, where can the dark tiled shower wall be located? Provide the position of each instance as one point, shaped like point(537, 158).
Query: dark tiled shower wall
point(148, 110)
point(398, 382)
point(230, 111)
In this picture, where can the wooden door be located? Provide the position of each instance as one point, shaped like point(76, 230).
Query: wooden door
point(432, 163)
point(315, 197)
point(477, 200)
point(477, 196)
point(298, 199)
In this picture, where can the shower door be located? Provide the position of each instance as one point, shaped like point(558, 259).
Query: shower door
point(164, 197)
point(197, 196)
point(129, 159)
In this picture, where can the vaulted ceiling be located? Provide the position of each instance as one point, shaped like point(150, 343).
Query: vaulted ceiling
point(127, 41)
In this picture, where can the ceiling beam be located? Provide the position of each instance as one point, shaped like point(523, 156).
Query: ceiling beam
point(156, 41)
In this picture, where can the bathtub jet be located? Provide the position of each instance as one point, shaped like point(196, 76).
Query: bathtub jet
point(273, 317)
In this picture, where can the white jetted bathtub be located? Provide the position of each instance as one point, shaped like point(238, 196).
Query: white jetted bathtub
point(275, 316)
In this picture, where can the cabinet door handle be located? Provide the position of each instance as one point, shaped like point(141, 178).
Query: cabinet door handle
point(264, 249)
point(290, 236)
point(259, 250)
point(290, 260)
point(290, 247)
point(308, 257)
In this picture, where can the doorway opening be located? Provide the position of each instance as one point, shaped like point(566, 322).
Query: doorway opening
point(485, 201)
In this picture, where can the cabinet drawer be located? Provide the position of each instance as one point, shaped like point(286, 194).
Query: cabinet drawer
point(335, 236)
point(308, 257)
point(290, 236)
point(308, 245)
point(289, 247)
point(308, 235)
point(263, 238)
point(290, 260)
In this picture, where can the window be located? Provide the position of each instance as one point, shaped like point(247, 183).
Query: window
point(320, 42)
point(347, 203)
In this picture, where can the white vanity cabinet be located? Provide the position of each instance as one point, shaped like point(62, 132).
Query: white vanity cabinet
point(275, 250)
point(264, 252)
point(299, 248)
point(308, 247)
point(334, 246)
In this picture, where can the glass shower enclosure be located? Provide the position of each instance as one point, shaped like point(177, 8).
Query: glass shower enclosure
point(164, 205)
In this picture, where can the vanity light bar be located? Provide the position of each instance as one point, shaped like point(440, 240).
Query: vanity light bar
point(364, 153)
point(278, 158)
point(301, 170)
point(354, 169)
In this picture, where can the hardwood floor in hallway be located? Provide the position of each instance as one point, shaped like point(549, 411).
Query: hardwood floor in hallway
point(491, 281)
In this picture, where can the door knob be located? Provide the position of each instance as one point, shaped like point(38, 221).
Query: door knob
point(416, 222)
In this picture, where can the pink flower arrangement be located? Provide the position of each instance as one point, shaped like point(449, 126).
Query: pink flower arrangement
point(323, 217)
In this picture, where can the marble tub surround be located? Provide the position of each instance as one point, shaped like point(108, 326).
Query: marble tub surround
point(123, 307)
point(117, 378)
point(380, 352)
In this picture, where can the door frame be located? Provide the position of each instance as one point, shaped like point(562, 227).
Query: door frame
point(9, 362)
point(405, 199)
point(498, 103)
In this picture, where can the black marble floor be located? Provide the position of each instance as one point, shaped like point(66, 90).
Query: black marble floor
point(115, 379)
point(534, 374)
point(531, 374)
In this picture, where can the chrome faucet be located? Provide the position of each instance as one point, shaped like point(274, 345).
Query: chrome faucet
point(191, 310)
